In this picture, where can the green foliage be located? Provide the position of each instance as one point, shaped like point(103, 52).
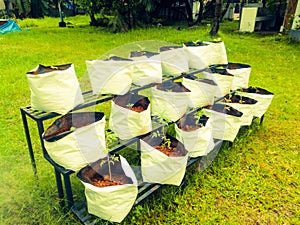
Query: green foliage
point(276, 7)
point(163, 121)
point(149, 5)
point(23, 7)
point(198, 115)
point(110, 138)
point(119, 16)
point(228, 99)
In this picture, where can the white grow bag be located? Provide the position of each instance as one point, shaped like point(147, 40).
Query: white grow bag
point(173, 60)
point(127, 123)
point(146, 68)
point(246, 107)
point(263, 101)
point(224, 82)
point(241, 74)
point(247, 111)
point(80, 147)
point(198, 142)
point(115, 202)
point(169, 105)
point(198, 55)
point(217, 52)
point(110, 76)
point(157, 167)
point(55, 91)
point(224, 126)
point(202, 93)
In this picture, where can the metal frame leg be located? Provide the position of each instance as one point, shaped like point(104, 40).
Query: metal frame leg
point(29, 143)
point(41, 131)
point(69, 192)
point(60, 189)
point(67, 183)
point(262, 119)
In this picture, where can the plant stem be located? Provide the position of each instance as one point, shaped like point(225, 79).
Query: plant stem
point(109, 169)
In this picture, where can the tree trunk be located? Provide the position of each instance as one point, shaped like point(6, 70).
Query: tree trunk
point(189, 12)
point(92, 13)
point(200, 13)
point(290, 10)
point(217, 18)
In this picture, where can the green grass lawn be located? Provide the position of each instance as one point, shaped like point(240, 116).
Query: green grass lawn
point(256, 181)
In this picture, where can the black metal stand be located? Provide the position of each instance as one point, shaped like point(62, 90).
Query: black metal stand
point(62, 175)
point(64, 185)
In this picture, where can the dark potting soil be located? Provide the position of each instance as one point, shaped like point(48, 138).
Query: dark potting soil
point(66, 122)
point(143, 53)
point(256, 90)
point(117, 58)
point(97, 173)
point(218, 71)
point(194, 44)
point(226, 109)
point(215, 42)
point(231, 66)
point(169, 151)
point(172, 86)
point(134, 102)
point(191, 123)
point(175, 149)
point(203, 80)
point(46, 69)
point(167, 48)
point(238, 99)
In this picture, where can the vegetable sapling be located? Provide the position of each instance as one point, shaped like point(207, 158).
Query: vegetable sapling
point(111, 138)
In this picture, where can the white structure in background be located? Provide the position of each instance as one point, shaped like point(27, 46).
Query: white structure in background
point(2, 5)
point(247, 20)
point(254, 17)
point(229, 15)
point(295, 31)
point(195, 8)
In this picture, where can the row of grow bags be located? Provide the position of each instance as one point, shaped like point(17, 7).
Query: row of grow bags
point(77, 141)
point(56, 88)
point(195, 131)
